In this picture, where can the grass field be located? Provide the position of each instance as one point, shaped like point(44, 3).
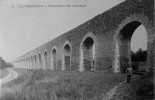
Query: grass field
point(60, 85)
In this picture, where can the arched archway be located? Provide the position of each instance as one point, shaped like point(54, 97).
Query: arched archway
point(87, 54)
point(35, 61)
point(27, 62)
point(45, 60)
point(123, 46)
point(54, 59)
point(66, 57)
point(39, 62)
point(31, 62)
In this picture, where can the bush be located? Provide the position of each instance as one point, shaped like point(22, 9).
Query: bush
point(9, 65)
point(4, 64)
point(146, 90)
point(135, 66)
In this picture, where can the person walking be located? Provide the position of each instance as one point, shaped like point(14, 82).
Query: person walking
point(129, 72)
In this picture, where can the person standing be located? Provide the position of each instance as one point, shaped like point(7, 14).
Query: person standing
point(129, 72)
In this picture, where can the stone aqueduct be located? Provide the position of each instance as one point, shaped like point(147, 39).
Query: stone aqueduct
point(98, 43)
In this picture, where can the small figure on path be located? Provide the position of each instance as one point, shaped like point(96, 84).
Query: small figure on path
point(129, 72)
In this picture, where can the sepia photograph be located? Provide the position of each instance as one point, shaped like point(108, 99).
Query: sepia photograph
point(77, 49)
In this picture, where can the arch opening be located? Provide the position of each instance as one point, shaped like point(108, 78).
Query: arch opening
point(54, 59)
point(124, 52)
point(39, 60)
point(45, 60)
point(66, 57)
point(88, 52)
point(27, 63)
point(35, 60)
point(31, 62)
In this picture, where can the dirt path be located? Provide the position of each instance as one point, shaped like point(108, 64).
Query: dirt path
point(109, 95)
point(12, 75)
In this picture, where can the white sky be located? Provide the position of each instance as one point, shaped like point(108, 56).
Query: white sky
point(139, 39)
point(24, 29)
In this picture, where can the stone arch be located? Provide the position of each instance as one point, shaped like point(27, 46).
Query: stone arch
point(31, 62)
point(54, 58)
point(122, 39)
point(87, 52)
point(27, 63)
point(66, 59)
point(45, 59)
point(35, 61)
point(39, 60)
point(22, 64)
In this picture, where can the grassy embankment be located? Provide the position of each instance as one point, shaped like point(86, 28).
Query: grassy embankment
point(61, 85)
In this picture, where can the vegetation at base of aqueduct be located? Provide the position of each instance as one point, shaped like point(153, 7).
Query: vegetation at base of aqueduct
point(61, 85)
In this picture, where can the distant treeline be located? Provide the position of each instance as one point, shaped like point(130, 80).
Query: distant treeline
point(139, 56)
point(4, 64)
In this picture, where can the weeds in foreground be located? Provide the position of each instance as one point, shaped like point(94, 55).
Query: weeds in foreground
point(68, 85)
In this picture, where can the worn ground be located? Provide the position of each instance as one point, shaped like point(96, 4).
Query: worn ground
point(8, 75)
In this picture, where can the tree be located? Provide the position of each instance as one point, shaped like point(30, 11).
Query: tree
point(4, 64)
point(139, 56)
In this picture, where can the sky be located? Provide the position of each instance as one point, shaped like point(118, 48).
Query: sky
point(23, 29)
point(139, 39)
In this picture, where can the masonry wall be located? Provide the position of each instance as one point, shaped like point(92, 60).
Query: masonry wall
point(102, 29)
